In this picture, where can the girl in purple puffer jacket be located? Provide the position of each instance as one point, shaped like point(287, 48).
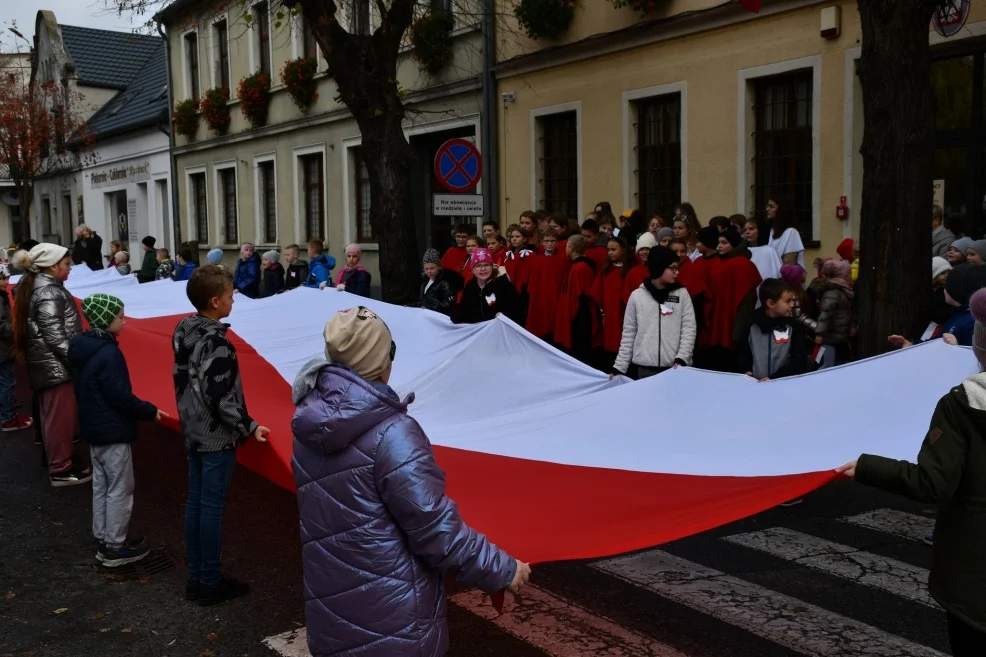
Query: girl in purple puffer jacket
point(377, 529)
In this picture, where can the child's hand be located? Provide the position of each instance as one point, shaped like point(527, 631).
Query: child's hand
point(161, 416)
point(260, 434)
point(848, 470)
point(322, 285)
point(341, 287)
point(898, 341)
point(766, 378)
point(948, 338)
point(521, 576)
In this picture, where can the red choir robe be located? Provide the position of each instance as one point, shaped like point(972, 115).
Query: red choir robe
point(518, 265)
point(731, 280)
point(599, 255)
point(548, 274)
point(454, 258)
point(609, 295)
point(499, 258)
point(635, 278)
point(581, 278)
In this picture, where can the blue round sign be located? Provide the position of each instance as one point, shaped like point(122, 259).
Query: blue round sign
point(458, 165)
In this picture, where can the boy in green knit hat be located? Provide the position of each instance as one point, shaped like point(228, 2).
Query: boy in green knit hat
point(108, 416)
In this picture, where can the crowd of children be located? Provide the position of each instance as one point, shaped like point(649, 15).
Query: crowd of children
point(635, 296)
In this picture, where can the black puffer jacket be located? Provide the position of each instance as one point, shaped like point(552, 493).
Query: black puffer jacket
point(108, 409)
point(441, 295)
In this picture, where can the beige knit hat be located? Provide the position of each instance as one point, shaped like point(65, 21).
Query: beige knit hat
point(361, 341)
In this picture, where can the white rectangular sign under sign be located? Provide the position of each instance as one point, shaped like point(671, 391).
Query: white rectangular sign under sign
point(458, 205)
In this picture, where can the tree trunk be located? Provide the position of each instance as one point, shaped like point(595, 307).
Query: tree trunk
point(898, 146)
point(26, 195)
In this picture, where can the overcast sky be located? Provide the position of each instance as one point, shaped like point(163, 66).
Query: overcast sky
point(85, 13)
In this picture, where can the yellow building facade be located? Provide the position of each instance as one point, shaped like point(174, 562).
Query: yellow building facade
point(711, 104)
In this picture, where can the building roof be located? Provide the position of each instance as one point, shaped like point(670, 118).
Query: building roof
point(104, 58)
point(142, 103)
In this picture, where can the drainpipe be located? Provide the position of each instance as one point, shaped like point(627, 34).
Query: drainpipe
point(491, 167)
point(173, 159)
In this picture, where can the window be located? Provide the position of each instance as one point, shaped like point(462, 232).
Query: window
point(658, 154)
point(359, 21)
point(45, 217)
point(67, 212)
point(309, 47)
point(313, 189)
point(364, 230)
point(262, 29)
point(200, 207)
point(192, 59)
point(783, 137)
point(221, 36)
point(560, 163)
point(227, 191)
point(268, 201)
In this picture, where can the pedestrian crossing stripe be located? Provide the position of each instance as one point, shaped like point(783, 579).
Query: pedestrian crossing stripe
point(560, 627)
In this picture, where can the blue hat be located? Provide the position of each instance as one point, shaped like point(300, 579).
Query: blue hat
point(215, 256)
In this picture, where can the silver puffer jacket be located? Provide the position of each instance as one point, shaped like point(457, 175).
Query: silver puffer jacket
point(52, 320)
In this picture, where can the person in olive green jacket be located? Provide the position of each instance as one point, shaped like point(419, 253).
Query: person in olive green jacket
point(950, 472)
point(148, 266)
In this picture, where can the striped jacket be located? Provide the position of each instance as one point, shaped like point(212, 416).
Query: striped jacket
point(208, 388)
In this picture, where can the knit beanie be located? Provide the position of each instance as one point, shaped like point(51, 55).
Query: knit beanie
point(101, 309)
point(732, 236)
point(664, 232)
point(962, 244)
point(432, 257)
point(360, 340)
point(964, 281)
point(979, 246)
point(793, 275)
point(659, 259)
point(709, 237)
point(215, 256)
point(272, 256)
point(46, 255)
point(481, 256)
point(939, 266)
point(149, 242)
point(646, 241)
point(977, 305)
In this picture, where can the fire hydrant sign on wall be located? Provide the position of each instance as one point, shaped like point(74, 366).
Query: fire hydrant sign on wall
point(459, 168)
point(458, 205)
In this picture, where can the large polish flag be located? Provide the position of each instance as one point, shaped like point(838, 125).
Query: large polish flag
point(545, 455)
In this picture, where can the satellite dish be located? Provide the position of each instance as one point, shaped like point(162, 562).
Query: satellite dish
point(10, 198)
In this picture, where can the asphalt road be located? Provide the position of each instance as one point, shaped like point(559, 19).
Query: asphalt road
point(840, 574)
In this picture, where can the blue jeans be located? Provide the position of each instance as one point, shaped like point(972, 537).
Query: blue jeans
point(8, 383)
point(209, 476)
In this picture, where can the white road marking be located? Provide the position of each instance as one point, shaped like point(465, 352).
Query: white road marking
point(895, 522)
point(293, 643)
point(779, 618)
point(843, 561)
point(562, 628)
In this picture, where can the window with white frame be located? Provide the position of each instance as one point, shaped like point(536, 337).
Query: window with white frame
point(559, 160)
point(313, 195)
point(220, 38)
point(658, 153)
point(261, 36)
point(192, 64)
point(200, 206)
point(784, 146)
point(309, 47)
point(361, 186)
point(227, 204)
point(267, 192)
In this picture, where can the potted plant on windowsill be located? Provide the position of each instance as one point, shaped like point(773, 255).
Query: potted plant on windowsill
point(215, 109)
point(646, 8)
point(431, 37)
point(545, 19)
point(298, 76)
point(185, 118)
point(254, 95)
